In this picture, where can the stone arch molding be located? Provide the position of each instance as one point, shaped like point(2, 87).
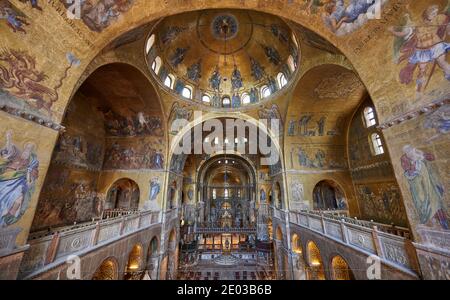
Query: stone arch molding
point(209, 116)
point(276, 139)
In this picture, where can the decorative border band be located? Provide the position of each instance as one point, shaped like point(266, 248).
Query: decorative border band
point(30, 117)
point(413, 114)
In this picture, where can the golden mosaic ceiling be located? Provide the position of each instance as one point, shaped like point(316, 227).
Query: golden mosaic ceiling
point(244, 48)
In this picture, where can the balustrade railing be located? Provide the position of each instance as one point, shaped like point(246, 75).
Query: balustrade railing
point(114, 213)
point(371, 238)
point(225, 230)
point(57, 244)
point(172, 214)
point(391, 229)
point(277, 213)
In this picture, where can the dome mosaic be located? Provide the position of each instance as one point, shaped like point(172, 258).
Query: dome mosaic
point(223, 58)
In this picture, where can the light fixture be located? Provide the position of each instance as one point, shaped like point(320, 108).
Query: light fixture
point(315, 263)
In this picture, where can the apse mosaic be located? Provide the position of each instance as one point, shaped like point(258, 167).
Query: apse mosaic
point(315, 157)
point(133, 154)
point(382, 202)
point(81, 202)
point(338, 86)
point(312, 125)
point(78, 150)
point(138, 124)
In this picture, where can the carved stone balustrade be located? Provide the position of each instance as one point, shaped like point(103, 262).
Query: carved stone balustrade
point(392, 229)
point(393, 249)
point(212, 230)
point(51, 247)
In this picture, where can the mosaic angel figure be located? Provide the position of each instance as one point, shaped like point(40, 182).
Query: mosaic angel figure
point(343, 19)
point(422, 46)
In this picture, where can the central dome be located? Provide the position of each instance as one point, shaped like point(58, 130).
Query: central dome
point(223, 58)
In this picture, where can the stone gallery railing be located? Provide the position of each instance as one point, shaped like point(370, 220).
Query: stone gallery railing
point(47, 247)
point(172, 214)
point(278, 213)
point(391, 229)
point(114, 213)
point(394, 250)
point(225, 230)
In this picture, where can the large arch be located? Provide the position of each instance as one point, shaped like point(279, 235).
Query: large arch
point(108, 270)
point(340, 270)
point(135, 263)
point(315, 269)
point(403, 105)
point(123, 194)
point(328, 195)
point(115, 109)
point(143, 14)
point(198, 120)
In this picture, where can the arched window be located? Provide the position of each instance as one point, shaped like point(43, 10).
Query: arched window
point(108, 270)
point(296, 244)
point(377, 144)
point(279, 234)
point(156, 65)
point(187, 92)
point(340, 269)
point(245, 98)
point(369, 116)
point(278, 196)
point(282, 81)
point(206, 98)
point(123, 194)
point(291, 63)
point(169, 81)
point(328, 196)
point(135, 262)
point(153, 249)
point(315, 270)
point(150, 43)
point(265, 91)
point(226, 101)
